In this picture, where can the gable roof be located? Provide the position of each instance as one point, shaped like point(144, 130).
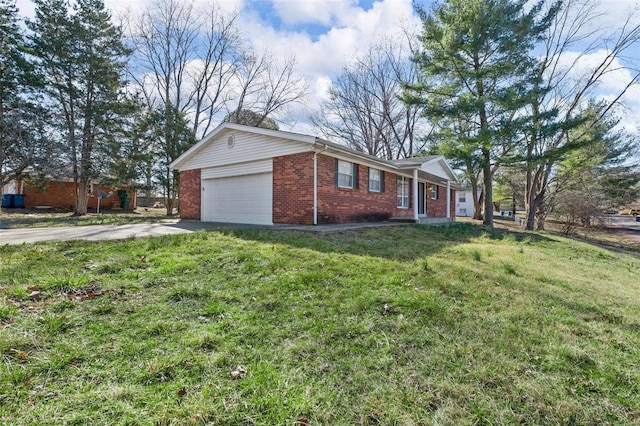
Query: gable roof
point(431, 165)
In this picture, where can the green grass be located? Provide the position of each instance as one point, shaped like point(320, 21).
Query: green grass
point(394, 326)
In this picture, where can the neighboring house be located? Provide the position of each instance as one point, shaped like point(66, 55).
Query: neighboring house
point(242, 174)
point(464, 202)
point(61, 194)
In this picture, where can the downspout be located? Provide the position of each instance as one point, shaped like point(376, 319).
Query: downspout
point(315, 183)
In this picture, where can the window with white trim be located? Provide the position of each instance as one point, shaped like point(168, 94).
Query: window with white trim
point(345, 174)
point(434, 192)
point(462, 198)
point(375, 180)
point(403, 193)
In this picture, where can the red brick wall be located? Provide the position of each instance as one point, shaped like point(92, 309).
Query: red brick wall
point(353, 205)
point(293, 189)
point(190, 194)
point(293, 193)
point(438, 208)
point(62, 194)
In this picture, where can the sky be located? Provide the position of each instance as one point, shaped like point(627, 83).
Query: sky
point(325, 35)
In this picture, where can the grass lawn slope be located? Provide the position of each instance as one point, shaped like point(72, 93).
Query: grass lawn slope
point(395, 326)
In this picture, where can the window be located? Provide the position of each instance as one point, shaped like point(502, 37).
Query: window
point(462, 198)
point(376, 180)
point(434, 192)
point(346, 174)
point(463, 212)
point(403, 192)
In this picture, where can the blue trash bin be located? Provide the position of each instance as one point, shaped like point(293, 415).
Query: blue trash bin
point(7, 201)
point(18, 201)
point(638, 218)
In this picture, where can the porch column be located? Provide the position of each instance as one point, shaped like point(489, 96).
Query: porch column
point(448, 199)
point(415, 194)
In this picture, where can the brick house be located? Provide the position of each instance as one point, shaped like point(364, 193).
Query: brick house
point(60, 193)
point(242, 174)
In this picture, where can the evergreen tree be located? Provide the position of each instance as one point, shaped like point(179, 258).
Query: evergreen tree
point(598, 176)
point(475, 65)
point(562, 110)
point(169, 135)
point(250, 118)
point(22, 144)
point(81, 56)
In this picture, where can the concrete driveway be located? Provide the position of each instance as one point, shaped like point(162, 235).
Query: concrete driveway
point(91, 232)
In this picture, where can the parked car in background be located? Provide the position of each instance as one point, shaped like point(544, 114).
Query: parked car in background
point(633, 211)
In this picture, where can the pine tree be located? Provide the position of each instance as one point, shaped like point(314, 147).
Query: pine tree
point(81, 55)
point(20, 119)
point(169, 135)
point(476, 63)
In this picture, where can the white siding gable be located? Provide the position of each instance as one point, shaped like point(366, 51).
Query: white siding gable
point(247, 147)
point(439, 169)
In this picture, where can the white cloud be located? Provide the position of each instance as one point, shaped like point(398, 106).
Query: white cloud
point(313, 11)
point(610, 85)
point(350, 29)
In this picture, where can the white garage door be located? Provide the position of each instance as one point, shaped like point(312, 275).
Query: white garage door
point(238, 199)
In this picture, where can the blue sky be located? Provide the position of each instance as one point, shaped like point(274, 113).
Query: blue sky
point(325, 35)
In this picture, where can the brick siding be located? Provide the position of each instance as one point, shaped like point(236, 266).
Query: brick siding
point(62, 195)
point(438, 208)
point(293, 193)
point(190, 194)
point(293, 189)
point(337, 205)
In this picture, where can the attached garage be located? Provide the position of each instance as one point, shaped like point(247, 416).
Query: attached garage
point(238, 199)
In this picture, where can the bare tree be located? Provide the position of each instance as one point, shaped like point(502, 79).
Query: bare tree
point(569, 87)
point(266, 87)
point(364, 109)
point(193, 64)
point(187, 58)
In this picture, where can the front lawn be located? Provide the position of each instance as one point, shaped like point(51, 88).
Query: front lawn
point(406, 325)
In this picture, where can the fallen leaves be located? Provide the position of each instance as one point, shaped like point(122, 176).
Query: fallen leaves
point(90, 292)
point(17, 354)
point(239, 372)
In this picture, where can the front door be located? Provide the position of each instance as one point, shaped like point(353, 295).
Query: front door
point(421, 194)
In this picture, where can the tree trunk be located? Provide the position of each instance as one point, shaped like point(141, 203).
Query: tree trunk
point(541, 219)
point(81, 198)
point(530, 210)
point(488, 189)
point(170, 203)
point(477, 201)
